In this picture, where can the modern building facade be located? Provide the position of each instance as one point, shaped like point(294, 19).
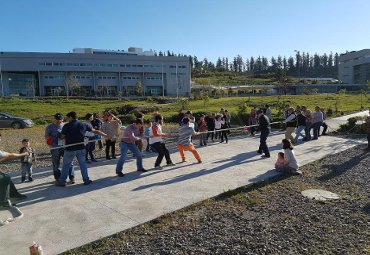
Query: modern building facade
point(92, 72)
point(354, 67)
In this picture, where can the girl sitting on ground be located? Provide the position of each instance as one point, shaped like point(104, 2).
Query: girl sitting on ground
point(290, 165)
point(280, 162)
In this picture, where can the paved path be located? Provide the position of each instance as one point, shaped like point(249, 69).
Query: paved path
point(63, 218)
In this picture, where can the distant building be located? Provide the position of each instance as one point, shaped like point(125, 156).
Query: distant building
point(94, 72)
point(354, 67)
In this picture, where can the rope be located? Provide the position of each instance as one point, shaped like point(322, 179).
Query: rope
point(9, 220)
point(171, 135)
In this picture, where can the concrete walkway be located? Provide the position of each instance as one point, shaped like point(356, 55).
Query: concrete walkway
point(63, 218)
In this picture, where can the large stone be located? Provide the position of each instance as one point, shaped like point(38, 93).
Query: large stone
point(319, 194)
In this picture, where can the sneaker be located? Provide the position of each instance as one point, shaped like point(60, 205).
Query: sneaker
point(30, 179)
point(142, 170)
point(108, 158)
point(59, 184)
point(183, 161)
point(199, 161)
point(171, 164)
point(265, 156)
point(88, 182)
point(158, 168)
point(298, 172)
point(72, 181)
point(120, 174)
point(113, 157)
point(19, 196)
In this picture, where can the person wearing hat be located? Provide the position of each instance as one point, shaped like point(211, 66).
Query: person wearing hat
point(73, 134)
point(264, 128)
point(54, 141)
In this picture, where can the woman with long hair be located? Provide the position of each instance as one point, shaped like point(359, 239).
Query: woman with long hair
point(290, 161)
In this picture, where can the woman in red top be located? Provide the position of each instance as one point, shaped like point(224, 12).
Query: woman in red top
point(202, 127)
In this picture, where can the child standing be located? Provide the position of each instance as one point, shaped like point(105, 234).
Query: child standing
point(280, 162)
point(26, 161)
point(202, 127)
point(184, 141)
point(146, 134)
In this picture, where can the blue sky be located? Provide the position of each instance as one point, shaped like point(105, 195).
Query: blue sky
point(205, 28)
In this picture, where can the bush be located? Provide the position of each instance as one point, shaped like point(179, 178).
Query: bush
point(127, 119)
point(351, 126)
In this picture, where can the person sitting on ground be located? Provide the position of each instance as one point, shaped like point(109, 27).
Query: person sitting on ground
point(184, 140)
point(27, 161)
point(156, 142)
point(128, 142)
point(291, 164)
point(7, 187)
point(280, 162)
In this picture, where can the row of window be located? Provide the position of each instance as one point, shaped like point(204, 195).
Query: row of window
point(105, 65)
point(62, 77)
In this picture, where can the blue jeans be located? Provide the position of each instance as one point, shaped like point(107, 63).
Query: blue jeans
point(298, 132)
point(124, 149)
point(67, 164)
point(316, 129)
point(56, 155)
point(263, 145)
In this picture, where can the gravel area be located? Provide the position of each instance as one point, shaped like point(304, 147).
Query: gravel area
point(266, 218)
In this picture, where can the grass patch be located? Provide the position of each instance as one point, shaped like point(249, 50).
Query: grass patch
point(42, 110)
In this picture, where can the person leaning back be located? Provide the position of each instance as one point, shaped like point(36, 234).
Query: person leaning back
point(73, 133)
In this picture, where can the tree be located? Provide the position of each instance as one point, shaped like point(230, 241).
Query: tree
point(138, 88)
point(72, 85)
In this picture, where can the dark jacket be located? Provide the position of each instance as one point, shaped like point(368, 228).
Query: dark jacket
point(301, 120)
point(263, 123)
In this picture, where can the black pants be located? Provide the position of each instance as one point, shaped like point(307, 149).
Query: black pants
point(90, 147)
point(109, 144)
point(325, 126)
point(211, 133)
point(162, 152)
point(263, 145)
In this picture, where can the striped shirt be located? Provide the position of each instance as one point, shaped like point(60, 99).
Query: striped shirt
point(185, 133)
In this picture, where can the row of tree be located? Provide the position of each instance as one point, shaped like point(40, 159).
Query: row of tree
point(301, 65)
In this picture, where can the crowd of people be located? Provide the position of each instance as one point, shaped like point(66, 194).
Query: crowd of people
point(78, 139)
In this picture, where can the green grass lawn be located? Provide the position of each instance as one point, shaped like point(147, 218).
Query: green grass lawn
point(42, 110)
